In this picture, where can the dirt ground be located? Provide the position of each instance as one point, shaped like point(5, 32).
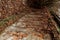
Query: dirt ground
point(13, 10)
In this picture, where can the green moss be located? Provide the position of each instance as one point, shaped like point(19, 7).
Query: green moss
point(6, 20)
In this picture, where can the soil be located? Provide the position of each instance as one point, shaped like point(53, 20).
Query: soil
point(39, 19)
